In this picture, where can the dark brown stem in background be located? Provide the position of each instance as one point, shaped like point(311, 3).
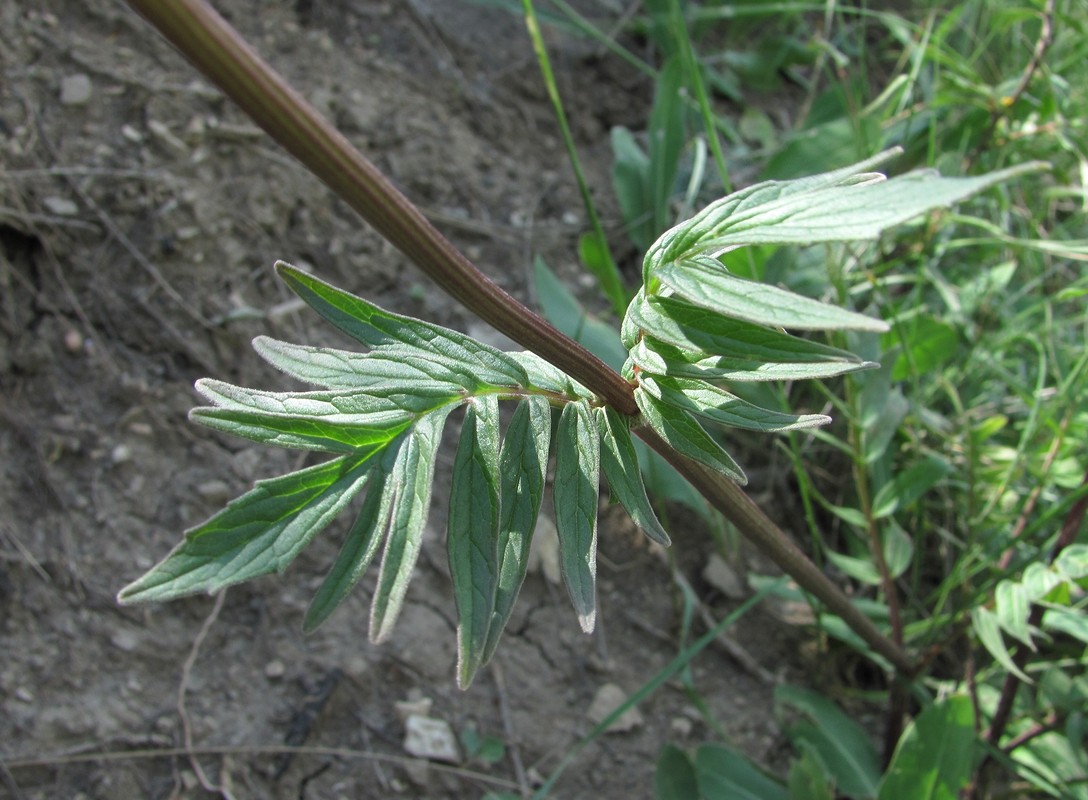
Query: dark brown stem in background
point(221, 54)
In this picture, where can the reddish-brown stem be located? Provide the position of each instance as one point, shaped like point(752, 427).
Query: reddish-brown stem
point(221, 54)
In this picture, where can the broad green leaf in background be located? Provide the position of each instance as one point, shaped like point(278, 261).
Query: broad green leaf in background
point(909, 485)
point(840, 743)
point(411, 475)
point(473, 532)
point(988, 630)
point(808, 779)
point(725, 774)
point(674, 776)
point(523, 466)
point(564, 311)
point(240, 542)
point(577, 477)
point(935, 755)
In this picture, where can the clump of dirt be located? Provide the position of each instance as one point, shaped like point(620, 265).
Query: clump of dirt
point(140, 214)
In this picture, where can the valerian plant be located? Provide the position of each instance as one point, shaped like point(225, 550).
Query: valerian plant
point(691, 330)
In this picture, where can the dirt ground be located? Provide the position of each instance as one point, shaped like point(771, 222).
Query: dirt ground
point(140, 215)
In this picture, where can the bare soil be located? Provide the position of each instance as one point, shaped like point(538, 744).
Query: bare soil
point(140, 215)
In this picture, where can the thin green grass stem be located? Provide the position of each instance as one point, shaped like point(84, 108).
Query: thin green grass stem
point(606, 271)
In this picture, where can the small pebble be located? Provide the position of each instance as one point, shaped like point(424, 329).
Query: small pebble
point(724, 578)
point(426, 737)
point(73, 341)
point(214, 491)
point(275, 669)
point(61, 206)
point(125, 641)
point(608, 698)
point(24, 695)
point(120, 454)
point(75, 90)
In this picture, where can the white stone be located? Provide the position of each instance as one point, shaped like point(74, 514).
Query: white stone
point(61, 206)
point(724, 578)
point(75, 90)
point(426, 737)
point(607, 699)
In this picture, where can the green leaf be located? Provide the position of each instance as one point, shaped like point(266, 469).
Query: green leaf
point(358, 550)
point(808, 780)
point(674, 776)
point(473, 532)
point(411, 480)
point(686, 436)
point(739, 350)
point(724, 408)
point(658, 358)
point(989, 633)
point(1011, 608)
point(549, 378)
point(337, 421)
point(1068, 621)
point(898, 549)
point(706, 283)
point(523, 467)
point(619, 462)
point(378, 328)
point(909, 486)
point(840, 206)
point(841, 744)
point(577, 484)
point(1072, 562)
point(935, 756)
point(345, 369)
point(259, 533)
point(725, 774)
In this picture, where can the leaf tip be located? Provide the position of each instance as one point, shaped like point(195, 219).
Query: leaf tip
point(588, 620)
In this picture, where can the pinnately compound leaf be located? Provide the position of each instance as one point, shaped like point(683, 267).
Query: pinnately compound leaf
point(410, 482)
point(259, 533)
point(523, 466)
point(620, 465)
point(577, 477)
point(473, 532)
